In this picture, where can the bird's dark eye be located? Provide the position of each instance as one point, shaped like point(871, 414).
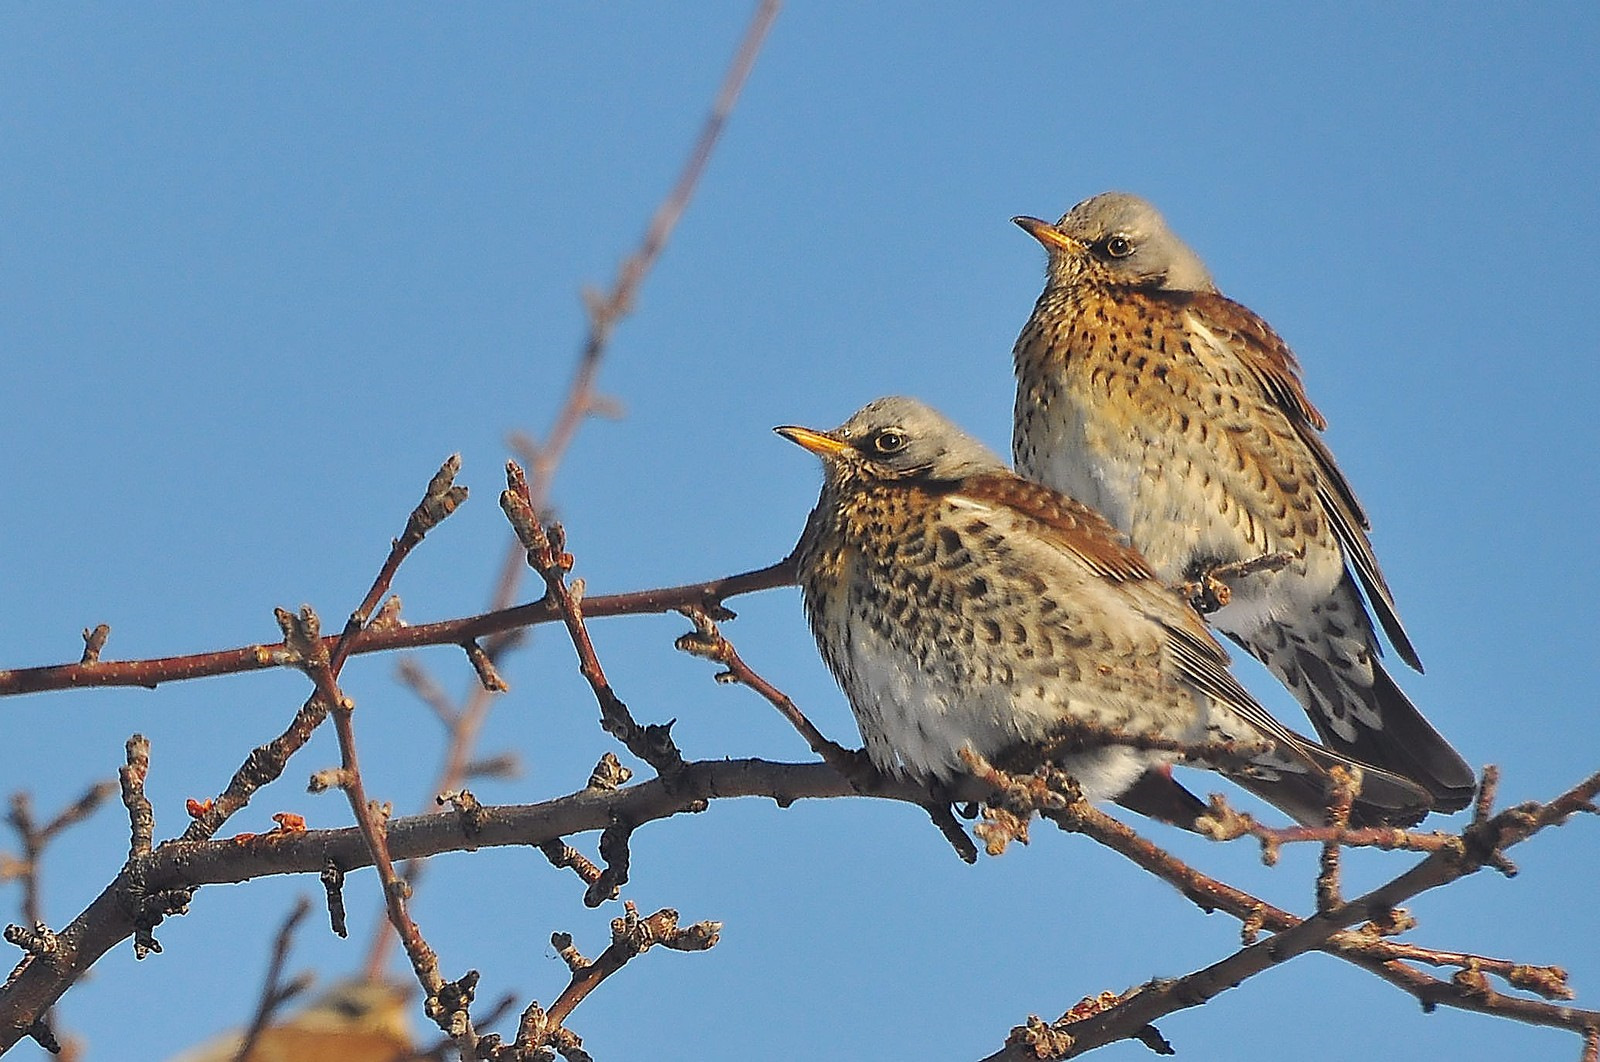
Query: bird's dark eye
point(888, 442)
point(1118, 246)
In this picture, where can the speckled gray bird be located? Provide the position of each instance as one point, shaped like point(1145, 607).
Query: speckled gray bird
point(1180, 415)
point(960, 605)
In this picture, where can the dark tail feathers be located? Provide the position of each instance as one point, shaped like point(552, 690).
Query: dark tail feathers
point(1407, 745)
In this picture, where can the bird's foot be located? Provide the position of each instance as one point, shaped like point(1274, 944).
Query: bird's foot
point(857, 767)
point(1209, 588)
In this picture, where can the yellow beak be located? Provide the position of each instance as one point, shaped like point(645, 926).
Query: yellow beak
point(820, 443)
point(1046, 233)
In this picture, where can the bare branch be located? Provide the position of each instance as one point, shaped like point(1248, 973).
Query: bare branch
point(547, 556)
point(1481, 845)
point(1346, 783)
point(94, 640)
point(708, 642)
point(140, 817)
point(149, 673)
point(631, 936)
point(34, 839)
point(274, 994)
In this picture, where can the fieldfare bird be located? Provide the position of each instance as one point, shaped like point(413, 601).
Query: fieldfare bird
point(960, 605)
point(354, 1021)
point(1179, 414)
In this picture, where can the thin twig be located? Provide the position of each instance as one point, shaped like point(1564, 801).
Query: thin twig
point(34, 839)
point(547, 555)
point(631, 936)
point(1481, 845)
point(1222, 823)
point(439, 500)
point(582, 402)
point(94, 640)
point(709, 642)
point(301, 631)
point(608, 309)
point(273, 993)
point(1346, 783)
point(151, 672)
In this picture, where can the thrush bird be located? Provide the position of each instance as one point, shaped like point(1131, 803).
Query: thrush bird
point(354, 1021)
point(960, 605)
point(1180, 415)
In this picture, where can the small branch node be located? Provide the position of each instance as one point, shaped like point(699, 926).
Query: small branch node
point(449, 1004)
point(441, 499)
point(40, 1033)
point(1548, 981)
point(94, 640)
point(614, 852)
point(330, 778)
point(333, 881)
point(1472, 981)
point(1390, 922)
point(1344, 783)
point(609, 774)
point(564, 856)
point(469, 811)
point(1209, 589)
point(141, 817)
point(302, 636)
point(1250, 928)
point(1488, 786)
point(570, 955)
point(488, 677)
point(40, 941)
point(387, 617)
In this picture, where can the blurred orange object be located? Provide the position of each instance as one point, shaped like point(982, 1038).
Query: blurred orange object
point(354, 1021)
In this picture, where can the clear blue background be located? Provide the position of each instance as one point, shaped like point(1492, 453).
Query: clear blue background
point(263, 267)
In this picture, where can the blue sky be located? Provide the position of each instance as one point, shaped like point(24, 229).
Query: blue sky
point(263, 267)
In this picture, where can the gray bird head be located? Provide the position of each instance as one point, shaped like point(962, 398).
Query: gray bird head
point(896, 438)
point(1120, 236)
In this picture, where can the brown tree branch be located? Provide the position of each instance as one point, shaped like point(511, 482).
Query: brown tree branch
point(1482, 844)
point(186, 865)
point(149, 673)
point(547, 555)
point(33, 839)
point(631, 936)
point(302, 636)
point(274, 993)
point(182, 864)
point(709, 642)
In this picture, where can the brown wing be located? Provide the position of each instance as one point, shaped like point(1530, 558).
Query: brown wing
point(1079, 528)
point(1197, 657)
point(1273, 365)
